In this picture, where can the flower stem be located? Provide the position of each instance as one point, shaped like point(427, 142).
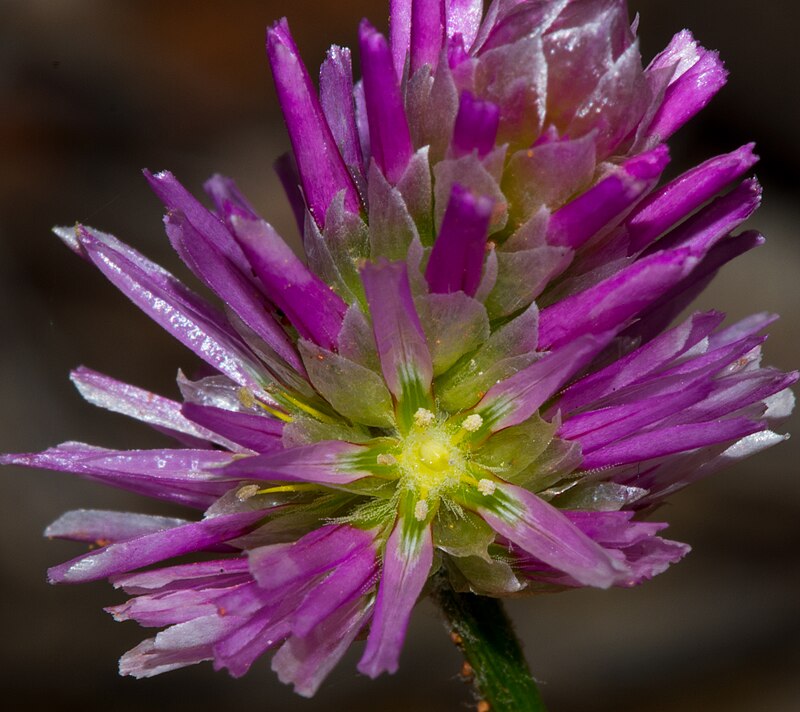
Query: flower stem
point(481, 629)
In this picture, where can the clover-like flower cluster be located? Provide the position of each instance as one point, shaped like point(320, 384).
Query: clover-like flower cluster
point(473, 375)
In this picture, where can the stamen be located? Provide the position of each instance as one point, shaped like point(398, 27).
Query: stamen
point(246, 397)
point(246, 492)
point(308, 408)
point(279, 414)
point(487, 487)
point(299, 487)
point(421, 510)
point(423, 418)
point(386, 459)
point(472, 423)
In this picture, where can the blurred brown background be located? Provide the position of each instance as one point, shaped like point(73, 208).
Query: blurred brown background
point(92, 91)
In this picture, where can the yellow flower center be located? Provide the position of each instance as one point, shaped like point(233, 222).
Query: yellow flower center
point(433, 461)
point(433, 454)
point(430, 460)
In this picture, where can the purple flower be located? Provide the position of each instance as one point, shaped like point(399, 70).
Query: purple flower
point(474, 373)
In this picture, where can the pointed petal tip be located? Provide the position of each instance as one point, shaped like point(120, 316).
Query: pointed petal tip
point(68, 235)
point(457, 258)
point(374, 669)
point(481, 205)
point(648, 165)
point(389, 133)
point(15, 458)
point(753, 188)
point(747, 152)
point(367, 30)
point(278, 31)
point(320, 165)
point(336, 52)
point(161, 176)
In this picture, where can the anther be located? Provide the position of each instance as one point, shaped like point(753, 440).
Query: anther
point(246, 492)
point(423, 418)
point(386, 459)
point(487, 487)
point(246, 398)
point(421, 510)
point(472, 423)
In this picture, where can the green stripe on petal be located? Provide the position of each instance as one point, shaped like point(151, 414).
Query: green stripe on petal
point(402, 349)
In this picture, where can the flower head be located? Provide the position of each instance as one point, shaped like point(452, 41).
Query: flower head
point(474, 372)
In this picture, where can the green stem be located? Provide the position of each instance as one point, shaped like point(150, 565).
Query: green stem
point(481, 629)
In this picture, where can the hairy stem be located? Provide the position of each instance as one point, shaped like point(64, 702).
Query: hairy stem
point(481, 629)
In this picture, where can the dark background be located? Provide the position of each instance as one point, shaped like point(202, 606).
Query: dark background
point(92, 91)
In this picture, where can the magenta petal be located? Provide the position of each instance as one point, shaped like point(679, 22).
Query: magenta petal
point(733, 393)
point(715, 221)
point(181, 476)
point(148, 658)
point(599, 206)
point(673, 301)
point(177, 199)
point(255, 432)
point(639, 363)
point(456, 53)
point(476, 126)
point(157, 411)
point(692, 87)
point(164, 282)
point(240, 649)
point(456, 261)
point(517, 398)
point(687, 373)
point(261, 624)
point(349, 581)
point(545, 533)
point(279, 566)
point(96, 525)
point(151, 548)
point(224, 192)
point(169, 608)
point(338, 105)
point(406, 565)
point(175, 308)
point(681, 197)
point(220, 572)
point(645, 553)
point(306, 661)
point(405, 359)
point(238, 292)
point(400, 33)
point(390, 138)
point(313, 308)
point(322, 171)
point(616, 300)
point(464, 18)
point(749, 326)
point(613, 528)
point(427, 33)
point(325, 462)
point(702, 367)
point(595, 429)
point(670, 440)
point(653, 556)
